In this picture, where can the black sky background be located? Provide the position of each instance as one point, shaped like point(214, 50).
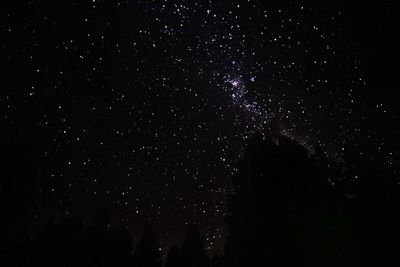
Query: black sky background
point(124, 118)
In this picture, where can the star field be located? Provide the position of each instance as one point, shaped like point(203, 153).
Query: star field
point(144, 107)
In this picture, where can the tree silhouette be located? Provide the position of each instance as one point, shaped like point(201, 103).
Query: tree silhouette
point(289, 208)
point(218, 261)
point(373, 208)
point(147, 252)
point(192, 249)
point(174, 258)
point(103, 245)
point(18, 180)
point(68, 243)
point(285, 210)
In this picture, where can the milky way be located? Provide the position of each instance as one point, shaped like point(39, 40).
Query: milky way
point(144, 107)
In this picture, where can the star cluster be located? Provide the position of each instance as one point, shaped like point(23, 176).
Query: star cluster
point(145, 106)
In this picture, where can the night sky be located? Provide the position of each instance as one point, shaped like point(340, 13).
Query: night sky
point(143, 108)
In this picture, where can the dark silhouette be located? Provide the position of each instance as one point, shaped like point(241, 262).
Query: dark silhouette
point(16, 183)
point(192, 250)
point(285, 211)
point(288, 209)
point(292, 209)
point(174, 258)
point(147, 252)
point(70, 244)
point(218, 261)
point(191, 253)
